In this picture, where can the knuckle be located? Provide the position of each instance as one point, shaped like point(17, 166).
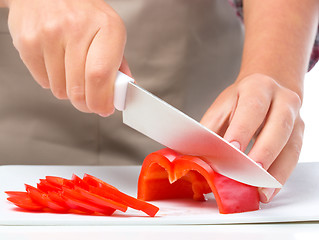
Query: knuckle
point(289, 114)
point(268, 154)
point(77, 95)
point(72, 24)
point(75, 23)
point(111, 18)
point(16, 43)
point(97, 75)
point(296, 148)
point(268, 83)
point(299, 130)
point(119, 24)
point(243, 130)
point(51, 29)
point(257, 81)
point(114, 23)
point(97, 106)
point(301, 125)
point(26, 43)
point(293, 98)
point(256, 104)
point(288, 120)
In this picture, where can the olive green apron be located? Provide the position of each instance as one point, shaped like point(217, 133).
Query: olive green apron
point(184, 51)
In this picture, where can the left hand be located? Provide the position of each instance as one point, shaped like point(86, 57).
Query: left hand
point(258, 107)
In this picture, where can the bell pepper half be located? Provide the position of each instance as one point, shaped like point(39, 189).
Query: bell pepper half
point(166, 174)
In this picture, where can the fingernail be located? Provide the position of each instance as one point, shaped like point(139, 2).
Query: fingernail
point(266, 194)
point(105, 115)
point(235, 144)
point(260, 164)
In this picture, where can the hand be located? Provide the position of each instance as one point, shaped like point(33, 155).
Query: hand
point(73, 47)
point(258, 107)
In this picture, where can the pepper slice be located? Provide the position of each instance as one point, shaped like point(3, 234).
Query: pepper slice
point(59, 181)
point(57, 197)
point(79, 182)
point(100, 200)
point(168, 174)
point(46, 187)
point(43, 199)
point(23, 200)
point(85, 196)
point(16, 194)
point(101, 188)
point(78, 202)
point(96, 182)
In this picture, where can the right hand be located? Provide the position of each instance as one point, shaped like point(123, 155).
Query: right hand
point(73, 47)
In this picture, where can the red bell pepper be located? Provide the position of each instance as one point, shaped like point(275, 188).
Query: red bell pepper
point(166, 174)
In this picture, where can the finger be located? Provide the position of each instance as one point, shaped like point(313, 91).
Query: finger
point(276, 131)
point(26, 40)
point(285, 163)
point(103, 61)
point(32, 56)
point(54, 60)
point(249, 114)
point(124, 68)
point(217, 116)
point(75, 58)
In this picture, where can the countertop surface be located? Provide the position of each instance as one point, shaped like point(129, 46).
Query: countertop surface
point(297, 201)
point(289, 216)
point(274, 231)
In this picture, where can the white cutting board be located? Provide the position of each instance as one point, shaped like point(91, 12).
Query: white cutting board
point(298, 200)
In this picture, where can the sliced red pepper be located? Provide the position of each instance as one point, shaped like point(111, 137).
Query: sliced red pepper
point(22, 200)
point(100, 200)
point(89, 196)
point(16, 194)
point(167, 174)
point(59, 181)
point(123, 198)
point(57, 197)
point(46, 187)
point(77, 201)
point(106, 190)
point(96, 182)
point(89, 208)
point(42, 198)
point(79, 182)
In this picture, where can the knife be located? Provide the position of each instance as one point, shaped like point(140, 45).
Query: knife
point(172, 128)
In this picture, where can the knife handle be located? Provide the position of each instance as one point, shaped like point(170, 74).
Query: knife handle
point(120, 87)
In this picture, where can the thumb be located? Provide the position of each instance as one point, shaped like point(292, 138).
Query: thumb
point(124, 68)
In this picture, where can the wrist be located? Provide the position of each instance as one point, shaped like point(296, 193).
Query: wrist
point(288, 81)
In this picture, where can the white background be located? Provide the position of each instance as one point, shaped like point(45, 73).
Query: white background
point(310, 115)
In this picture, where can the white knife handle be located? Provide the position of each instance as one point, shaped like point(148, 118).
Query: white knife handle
point(120, 87)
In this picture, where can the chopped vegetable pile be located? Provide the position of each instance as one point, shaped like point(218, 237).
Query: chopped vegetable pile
point(166, 174)
point(89, 195)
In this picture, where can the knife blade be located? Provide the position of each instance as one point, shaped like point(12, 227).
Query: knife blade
point(172, 128)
